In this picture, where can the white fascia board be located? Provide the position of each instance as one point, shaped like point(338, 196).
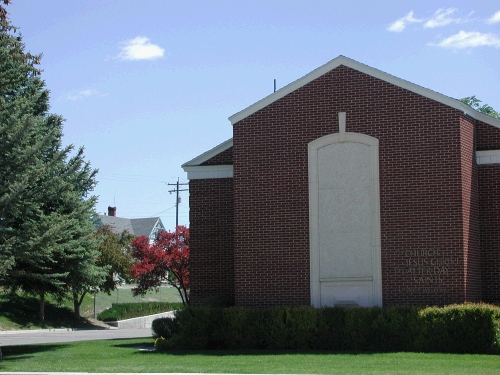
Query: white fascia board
point(488, 157)
point(342, 60)
point(209, 154)
point(199, 172)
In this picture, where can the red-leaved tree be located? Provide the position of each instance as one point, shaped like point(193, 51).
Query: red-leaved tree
point(166, 260)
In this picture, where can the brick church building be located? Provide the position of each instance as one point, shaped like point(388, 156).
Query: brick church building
point(349, 187)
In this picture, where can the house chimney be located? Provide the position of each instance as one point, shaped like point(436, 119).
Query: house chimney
point(111, 211)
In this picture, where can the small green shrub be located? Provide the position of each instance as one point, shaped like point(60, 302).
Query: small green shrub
point(164, 327)
point(216, 301)
point(161, 343)
point(461, 329)
point(244, 328)
point(330, 329)
point(395, 328)
point(468, 328)
point(120, 311)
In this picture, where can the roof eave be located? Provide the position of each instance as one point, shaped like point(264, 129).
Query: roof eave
point(209, 154)
point(342, 60)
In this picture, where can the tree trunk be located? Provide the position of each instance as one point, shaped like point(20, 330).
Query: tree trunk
point(76, 305)
point(41, 311)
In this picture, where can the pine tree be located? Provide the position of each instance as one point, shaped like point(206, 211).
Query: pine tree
point(46, 231)
point(80, 254)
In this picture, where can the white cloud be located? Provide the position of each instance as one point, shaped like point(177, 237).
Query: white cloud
point(140, 48)
point(469, 39)
point(495, 18)
point(400, 24)
point(442, 17)
point(84, 94)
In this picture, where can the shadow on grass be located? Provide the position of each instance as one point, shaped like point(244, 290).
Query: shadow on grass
point(277, 352)
point(149, 344)
point(134, 345)
point(224, 353)
point(23, 311)
point(147, 348)
point(21, 352)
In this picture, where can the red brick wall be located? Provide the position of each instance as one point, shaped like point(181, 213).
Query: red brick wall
point(489, 177)
point(470, 201)
point(211, 230)
point(488, 138)
point(421, 191)
point(224, 158)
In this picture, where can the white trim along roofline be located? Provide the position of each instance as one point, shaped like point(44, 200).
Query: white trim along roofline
point(199, 172)
point(342, 60)
point(488, 157)
point(195, 171)
point(200, 159)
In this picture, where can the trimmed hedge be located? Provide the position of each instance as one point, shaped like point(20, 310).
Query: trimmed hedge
point(120, 311)
point(469, 328)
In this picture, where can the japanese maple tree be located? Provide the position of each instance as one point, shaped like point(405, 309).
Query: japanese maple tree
point(166, 260)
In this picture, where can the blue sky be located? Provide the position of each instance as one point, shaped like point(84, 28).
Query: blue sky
point(146, 86)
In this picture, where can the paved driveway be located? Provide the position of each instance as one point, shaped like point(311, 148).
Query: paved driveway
point(26, 337)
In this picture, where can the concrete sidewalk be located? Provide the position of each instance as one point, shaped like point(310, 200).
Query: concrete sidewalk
point(123, 329)
point(140, 322)
point(26, 337)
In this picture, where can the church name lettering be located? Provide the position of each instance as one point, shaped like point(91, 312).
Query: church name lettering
point(426, 269)
point(423, 290)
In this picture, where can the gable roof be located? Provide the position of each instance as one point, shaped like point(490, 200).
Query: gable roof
point(196, 171)
point(118, 224)
point(342, 60)
point(137, 227)
point(144, 227)
point(210, 153)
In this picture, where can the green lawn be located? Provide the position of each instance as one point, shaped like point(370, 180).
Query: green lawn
point(104, 301)
point(125, 356)
point(21, 312)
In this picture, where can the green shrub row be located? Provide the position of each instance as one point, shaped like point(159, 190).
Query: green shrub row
point(469, 328)
point(120, 311)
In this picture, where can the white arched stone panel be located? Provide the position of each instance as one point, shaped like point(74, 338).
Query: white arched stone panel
point(344, 219)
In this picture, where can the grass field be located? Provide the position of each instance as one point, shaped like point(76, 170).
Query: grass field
point(125, 356)
point(21, 312)
point(124, 295)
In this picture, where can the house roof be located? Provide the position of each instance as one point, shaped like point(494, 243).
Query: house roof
point(342, 60)
point(144, 227)
point(137, 227)
point(119, 224)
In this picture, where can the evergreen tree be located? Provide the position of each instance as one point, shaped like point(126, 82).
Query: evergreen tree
point(80, 253)
point(46, 232)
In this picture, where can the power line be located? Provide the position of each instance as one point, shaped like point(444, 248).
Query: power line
point(127, 175)
point(163, 211)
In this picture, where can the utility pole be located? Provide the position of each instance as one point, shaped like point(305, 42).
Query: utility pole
point(176, 190)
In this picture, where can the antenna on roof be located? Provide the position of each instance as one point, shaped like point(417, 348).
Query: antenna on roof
point(275, 85)
point(114, 199)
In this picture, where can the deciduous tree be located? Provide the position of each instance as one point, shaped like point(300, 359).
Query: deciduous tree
point(107, 255)
point(474, 103)
point(115, 253)
point(166, 260)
